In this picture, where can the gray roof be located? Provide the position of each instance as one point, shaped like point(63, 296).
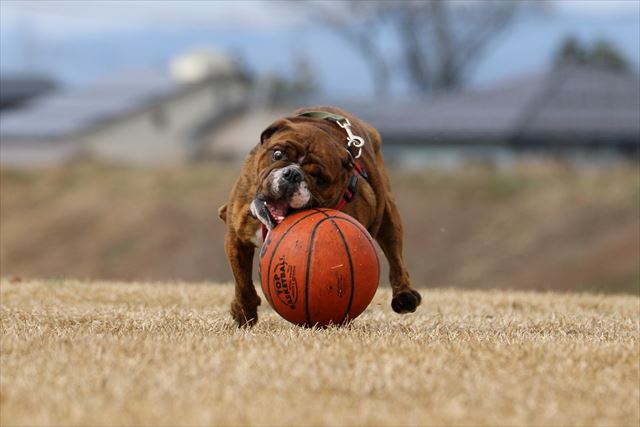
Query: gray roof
point(577, 103)
point(74, 110)
point(586, 102)
point(18, 89)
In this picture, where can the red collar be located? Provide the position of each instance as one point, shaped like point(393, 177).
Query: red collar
point(350, 192)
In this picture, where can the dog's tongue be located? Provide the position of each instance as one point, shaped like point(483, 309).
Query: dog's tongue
point(278, 210)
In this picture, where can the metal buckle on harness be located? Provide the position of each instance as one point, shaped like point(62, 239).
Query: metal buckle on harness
point(352, 139)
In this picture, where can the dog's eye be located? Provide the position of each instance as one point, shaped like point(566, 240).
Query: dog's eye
point(277, 155)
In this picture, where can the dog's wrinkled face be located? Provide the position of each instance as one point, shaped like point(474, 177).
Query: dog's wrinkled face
point(300, 165)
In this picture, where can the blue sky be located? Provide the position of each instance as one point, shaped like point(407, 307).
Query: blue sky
point(79, 42)
point(99, 15)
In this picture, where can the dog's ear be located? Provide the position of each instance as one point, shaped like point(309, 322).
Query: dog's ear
point(222, 212)
point(276, 126)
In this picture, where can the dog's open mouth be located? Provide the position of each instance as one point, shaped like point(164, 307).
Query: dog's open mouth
point(278, 209)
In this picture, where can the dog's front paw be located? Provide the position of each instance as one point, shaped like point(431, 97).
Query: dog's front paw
point(406, 301)
point(244, 314)
point(259, 210)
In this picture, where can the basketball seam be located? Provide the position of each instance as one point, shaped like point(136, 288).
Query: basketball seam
point(356, 223)
point(351, 272)
point(309, 253)
point(275, 248)
point(306, 281)
point(306, 278)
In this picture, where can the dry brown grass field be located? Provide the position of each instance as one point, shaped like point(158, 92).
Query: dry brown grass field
point(108, 353)
point(538, 226)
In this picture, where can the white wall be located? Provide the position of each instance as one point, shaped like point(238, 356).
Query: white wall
point(164, 133)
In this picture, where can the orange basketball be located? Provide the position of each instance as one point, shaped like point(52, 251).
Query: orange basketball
point(319, 267)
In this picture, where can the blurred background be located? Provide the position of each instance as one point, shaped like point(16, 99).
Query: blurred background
point(511, 131)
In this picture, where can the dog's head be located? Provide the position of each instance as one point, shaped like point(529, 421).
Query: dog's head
point(302, 163)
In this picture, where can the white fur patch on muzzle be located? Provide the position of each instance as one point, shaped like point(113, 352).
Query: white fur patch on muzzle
point(300, 198)
point(280, 187)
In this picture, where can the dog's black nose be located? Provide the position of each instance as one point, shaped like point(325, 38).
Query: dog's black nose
point(292, 175)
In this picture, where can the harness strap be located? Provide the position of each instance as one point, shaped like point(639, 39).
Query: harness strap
point(352, 187)
point(354, 142)
point(323, 115)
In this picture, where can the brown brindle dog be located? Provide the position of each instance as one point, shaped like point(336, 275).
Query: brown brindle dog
point(301, 162)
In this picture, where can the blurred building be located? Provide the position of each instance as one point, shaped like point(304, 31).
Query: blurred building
point(204, 105)
point(146, 118)
point(234, 139)
point(570, 112)
point(17, 90)
point(573, 113)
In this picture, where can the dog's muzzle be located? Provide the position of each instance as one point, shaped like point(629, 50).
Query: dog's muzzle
point(289, 179)
point(286, 189)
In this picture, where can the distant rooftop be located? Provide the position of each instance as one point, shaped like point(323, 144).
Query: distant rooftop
point(72, 111)
point(569, 103)
point(16, 90)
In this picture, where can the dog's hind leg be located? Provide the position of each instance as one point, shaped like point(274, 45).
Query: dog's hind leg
point(405, 298)
point(244, 307)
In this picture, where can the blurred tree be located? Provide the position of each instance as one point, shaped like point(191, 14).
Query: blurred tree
point(443, 40)
point(606, 54)
point(571, 51)
point(602, 53)
point(297, 86)
point(361, 24)
point(439, 41)
point(304, 81)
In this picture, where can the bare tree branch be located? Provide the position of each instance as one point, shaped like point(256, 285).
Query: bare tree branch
point(359, 24)
point(440, 40)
